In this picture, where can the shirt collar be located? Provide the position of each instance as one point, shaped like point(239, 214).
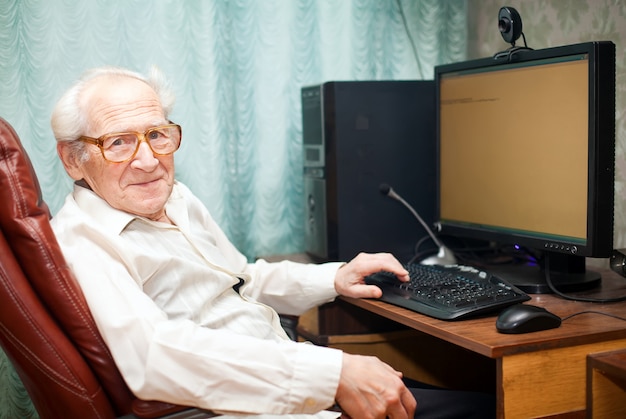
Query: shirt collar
point(115, 220)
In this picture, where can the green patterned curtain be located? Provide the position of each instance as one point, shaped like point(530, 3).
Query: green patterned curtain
point(237, 67)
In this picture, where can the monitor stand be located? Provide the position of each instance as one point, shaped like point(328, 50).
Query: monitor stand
point(567, 273)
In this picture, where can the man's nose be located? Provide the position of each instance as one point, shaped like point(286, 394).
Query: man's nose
point(145, 156)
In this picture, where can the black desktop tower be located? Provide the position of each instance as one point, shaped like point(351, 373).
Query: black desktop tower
point(358, 135)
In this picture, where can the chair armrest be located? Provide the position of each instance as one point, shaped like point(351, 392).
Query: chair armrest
point(151, 409)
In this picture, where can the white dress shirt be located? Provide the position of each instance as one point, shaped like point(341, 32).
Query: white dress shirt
point(163, 299)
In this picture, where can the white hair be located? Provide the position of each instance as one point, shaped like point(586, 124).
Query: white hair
point(69, 119)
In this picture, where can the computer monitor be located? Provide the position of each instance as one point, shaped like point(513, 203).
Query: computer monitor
point(526, 149)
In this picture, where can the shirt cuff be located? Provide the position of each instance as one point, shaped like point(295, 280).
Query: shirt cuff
point(316, 378)
point(323, 279)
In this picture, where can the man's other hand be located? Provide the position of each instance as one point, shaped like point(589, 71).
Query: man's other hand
point(370, 389)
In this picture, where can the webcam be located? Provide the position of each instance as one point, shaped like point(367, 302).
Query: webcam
point(510, 27)
point(509, 24)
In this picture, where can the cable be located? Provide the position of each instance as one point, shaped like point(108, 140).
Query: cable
point(574, 298)
point(594, 312)
point(524, 38)
point(408, 34)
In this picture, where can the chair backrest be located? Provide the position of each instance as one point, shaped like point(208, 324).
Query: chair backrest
point(46, 328)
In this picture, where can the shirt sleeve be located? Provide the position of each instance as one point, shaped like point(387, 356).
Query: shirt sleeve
point(178, 361)
point(290, 287)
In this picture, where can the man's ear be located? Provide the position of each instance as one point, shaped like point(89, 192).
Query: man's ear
point(70, 159)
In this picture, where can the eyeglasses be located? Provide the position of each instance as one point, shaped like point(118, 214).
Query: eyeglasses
point(119, 147)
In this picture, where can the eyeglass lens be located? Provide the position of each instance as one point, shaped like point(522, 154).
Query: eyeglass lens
point(120, 147)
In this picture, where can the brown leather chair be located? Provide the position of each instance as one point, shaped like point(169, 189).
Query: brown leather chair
point(46, 328)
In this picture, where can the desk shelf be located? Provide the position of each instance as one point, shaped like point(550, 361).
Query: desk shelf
point(606, 385)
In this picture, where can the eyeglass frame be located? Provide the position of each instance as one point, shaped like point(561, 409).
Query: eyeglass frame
point(141, 137)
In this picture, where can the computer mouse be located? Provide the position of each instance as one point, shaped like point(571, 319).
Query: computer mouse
point(526, 318)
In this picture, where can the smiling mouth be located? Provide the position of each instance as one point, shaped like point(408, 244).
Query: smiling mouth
point(145, 183)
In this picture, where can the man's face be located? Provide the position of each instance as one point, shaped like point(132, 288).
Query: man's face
point(142, 185)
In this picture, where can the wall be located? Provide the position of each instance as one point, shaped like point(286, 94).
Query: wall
point(558, 22)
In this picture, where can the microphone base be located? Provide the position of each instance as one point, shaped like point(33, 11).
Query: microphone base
point(443, 257)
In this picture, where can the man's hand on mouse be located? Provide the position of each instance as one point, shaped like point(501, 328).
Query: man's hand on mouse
point(370, 389)
point(349, 280)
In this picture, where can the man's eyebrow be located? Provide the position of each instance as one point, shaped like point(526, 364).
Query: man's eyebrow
point(149, 126)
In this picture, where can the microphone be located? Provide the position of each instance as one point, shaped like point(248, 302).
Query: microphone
point(444, 256)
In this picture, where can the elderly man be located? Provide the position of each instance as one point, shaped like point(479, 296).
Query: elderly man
point(187, 318)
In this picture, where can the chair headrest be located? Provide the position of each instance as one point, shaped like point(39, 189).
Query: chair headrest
point(22, 183)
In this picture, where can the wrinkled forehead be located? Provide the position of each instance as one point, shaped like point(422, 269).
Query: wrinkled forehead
point(118, 103)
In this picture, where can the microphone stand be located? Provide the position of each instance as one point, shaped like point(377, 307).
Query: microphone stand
point(444, 255)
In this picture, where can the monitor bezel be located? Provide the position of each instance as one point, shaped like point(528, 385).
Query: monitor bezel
point(601, 151)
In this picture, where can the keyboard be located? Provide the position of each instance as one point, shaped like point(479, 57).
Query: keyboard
point(450, 292)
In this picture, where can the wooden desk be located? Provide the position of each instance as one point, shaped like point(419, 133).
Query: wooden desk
point(539, 374)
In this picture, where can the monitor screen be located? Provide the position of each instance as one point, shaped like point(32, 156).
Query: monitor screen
point(526, 156)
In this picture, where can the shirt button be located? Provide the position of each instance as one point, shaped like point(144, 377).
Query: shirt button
point(309, 401)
